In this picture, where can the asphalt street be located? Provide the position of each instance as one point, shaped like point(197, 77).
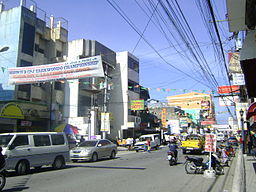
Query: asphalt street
point(130, 171)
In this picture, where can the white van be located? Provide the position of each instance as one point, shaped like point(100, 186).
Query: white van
point(154, 141)
point(34, 149)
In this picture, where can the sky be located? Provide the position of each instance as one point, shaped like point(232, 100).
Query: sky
point(167, 65)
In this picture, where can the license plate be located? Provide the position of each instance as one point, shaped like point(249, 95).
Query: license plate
point(75, 155)
point(189, 148)
point(169, 157)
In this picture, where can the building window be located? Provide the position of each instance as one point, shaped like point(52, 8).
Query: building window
point(58, 53)
point(28, 39)
point(24, 63)
point(133, 86)
point(132, 64)
point(38, 49)
point(58, 85)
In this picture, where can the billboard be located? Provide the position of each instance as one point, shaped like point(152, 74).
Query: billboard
point(137, 104)
point(229, 89)
point(78, 69)
point(228, 101)
point(238, 79)
point(234, 62)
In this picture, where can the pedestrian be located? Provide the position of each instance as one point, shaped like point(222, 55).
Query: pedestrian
point(241, 141)
point(148, 144)
point(82, 139)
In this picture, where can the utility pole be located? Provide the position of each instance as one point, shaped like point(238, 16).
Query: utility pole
point(105, 101)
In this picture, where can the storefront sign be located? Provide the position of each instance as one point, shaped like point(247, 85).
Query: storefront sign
point(12, 110)
point(229, 89)
point(137, 104)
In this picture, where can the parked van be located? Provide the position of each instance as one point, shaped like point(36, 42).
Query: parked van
point(154, 141)
point(34, 149)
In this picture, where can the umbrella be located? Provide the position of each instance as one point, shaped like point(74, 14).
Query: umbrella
point(66, 128)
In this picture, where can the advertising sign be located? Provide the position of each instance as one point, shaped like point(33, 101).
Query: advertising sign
point(210, 142)
point(238, 79)
point(163, 117)
point(82, 68)
point(228, 101)
point(174, 126)
point(137, 104)
point(105, 122)
point(234, 62)
point(229, 89)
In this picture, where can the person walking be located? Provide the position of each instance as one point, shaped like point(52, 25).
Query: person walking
point(82, 139)
point(148, 144)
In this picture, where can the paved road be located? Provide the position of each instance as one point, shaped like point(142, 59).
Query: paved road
point(130, 171)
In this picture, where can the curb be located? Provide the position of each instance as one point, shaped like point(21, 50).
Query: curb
point(239, 175)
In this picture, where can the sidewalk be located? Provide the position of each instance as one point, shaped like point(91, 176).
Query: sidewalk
point(242, 174)
point(250, 173)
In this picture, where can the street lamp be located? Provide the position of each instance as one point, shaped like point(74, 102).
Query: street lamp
point(89, 124)
point(3, 49)
point(242, 126)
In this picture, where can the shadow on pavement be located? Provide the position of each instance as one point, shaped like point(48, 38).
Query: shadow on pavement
point(108, 167)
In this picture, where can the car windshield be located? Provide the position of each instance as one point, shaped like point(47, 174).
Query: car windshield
point(5, 139)
point(88, 144)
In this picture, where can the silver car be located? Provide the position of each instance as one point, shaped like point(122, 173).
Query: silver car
point(92, 150)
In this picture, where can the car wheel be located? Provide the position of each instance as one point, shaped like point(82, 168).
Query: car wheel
point(113, 155)
point(94, 157)
point(22, 168)
point(58, 163)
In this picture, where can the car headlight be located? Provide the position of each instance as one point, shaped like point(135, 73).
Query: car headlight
point(84, 152)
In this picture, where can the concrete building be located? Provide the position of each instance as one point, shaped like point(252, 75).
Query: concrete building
point(198, 105)
point(32, 39)
point(86, 99)
point(126, 88)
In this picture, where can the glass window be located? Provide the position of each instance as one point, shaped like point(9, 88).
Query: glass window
point(28, 39)
point(20, 140)
point(24, 63)
point(42, 140)
point(57, 139)
point(5, 139)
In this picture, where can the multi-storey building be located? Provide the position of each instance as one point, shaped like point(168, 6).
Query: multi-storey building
point(31, 39)
point(198, 105)
point(126, 88)
point(86, 99)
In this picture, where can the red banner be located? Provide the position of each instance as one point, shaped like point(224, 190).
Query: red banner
point(229, 89)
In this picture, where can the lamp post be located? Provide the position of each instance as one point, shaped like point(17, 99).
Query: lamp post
point(242, 126)
point(89, 124)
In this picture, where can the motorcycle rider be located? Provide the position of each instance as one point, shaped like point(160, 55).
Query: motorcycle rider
point(173, 147)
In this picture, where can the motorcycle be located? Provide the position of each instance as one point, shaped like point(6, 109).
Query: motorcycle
point(2, 178)
point(171, 158)
point(196, 165)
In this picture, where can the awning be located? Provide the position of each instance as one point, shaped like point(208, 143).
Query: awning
point(251, 111)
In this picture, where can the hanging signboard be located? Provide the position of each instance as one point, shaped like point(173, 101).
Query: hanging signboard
point(78, 69)
point(137, 105)
point(210, 142)
point(229, 89)
point(105, 122)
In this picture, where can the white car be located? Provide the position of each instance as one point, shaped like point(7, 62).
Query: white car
point(92, 150)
